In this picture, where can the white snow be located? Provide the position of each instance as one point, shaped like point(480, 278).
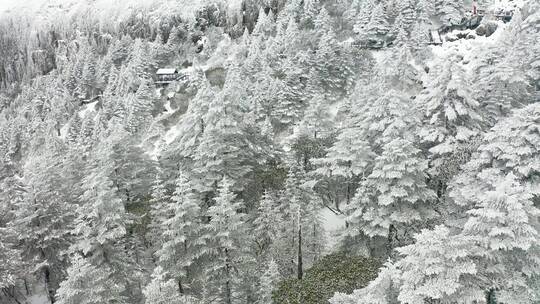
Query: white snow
point(64, 131)
point(88, 108)
point(173, 133)
point(38, 299)
point(332, 224)
point(166, 71)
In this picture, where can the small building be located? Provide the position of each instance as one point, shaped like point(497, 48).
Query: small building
point(165, 76)
point(504, 15)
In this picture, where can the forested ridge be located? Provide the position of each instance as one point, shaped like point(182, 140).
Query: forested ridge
point(285, 117)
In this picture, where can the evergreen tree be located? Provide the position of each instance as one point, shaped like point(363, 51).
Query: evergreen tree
point(362, 20)
point(269, 281)
point(452, 113)
point(310, 15)
point(504, 223)
point(395, 195)
point(407, 10)
point(450, 11)
point(44, 218)
point(267, 225)
point(378, 27)
point(226, 244)
point(181, 234)
point(89, 284)
point(9, 258)
point(165, 291)
point(101, 228)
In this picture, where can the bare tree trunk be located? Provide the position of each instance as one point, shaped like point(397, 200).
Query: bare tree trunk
point(300, 262)
point(26, 287)
point(50, 292)
point(390, 243)
point(228, 297)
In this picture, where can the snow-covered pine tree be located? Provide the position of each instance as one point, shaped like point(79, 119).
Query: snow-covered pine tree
point(310, 15)
point(159, 212)
point(100, 229)
point(445, 257)
point(163, 290)
point(362, 20)
point(89, 284)
point(181, 234)
point(267, 225)
point(269, 281)
point(10, 260)
point(394, 198)
point(316, 123)
point(420, 38)
point(323, 22)
point(44, 218)
point(226, 244)
point(331, 75)
point(504, 223)
point(490, 244)
point(407, 11)
point(228, 146)
point(450, 11)
point(345, 163)
point(140, 107)
point(378, 27)
point(452, 117)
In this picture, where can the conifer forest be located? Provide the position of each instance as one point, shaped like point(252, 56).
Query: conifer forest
point(269, 151)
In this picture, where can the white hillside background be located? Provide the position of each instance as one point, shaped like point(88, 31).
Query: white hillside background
point(246, 152)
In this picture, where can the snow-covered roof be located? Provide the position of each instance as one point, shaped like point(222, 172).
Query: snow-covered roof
point(166, 71)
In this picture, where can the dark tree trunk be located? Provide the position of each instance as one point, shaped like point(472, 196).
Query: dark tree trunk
point(47, 275)
point(228, 297)
point(300, 262)
point(180, 287)
point(390, 243)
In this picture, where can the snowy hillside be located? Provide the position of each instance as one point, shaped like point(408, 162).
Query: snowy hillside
point(269, 151)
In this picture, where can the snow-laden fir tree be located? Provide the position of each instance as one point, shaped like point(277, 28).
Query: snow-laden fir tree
point(378, 27)
point(100, 228)
point(44, 218)
point(269, 281)
point(229, 145)
point(226, 245)
point(9, 258)
point(452, 117)
point(310, 16)
point(89, 284)
point(504, 223)
point(268, 225)
point(164, 290)
point(181, 234)
point(450, 11)
point(362, 20)
point(160, 199)
point(406, 9)
point(489, 247)
point(394, 198)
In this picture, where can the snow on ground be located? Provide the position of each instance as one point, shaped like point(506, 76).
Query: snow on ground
point(88, 108)
point(38, 299)
point(332, 224)
point(173, 133)
point(64, 131)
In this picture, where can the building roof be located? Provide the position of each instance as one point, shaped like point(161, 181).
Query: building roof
point(166, 71)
